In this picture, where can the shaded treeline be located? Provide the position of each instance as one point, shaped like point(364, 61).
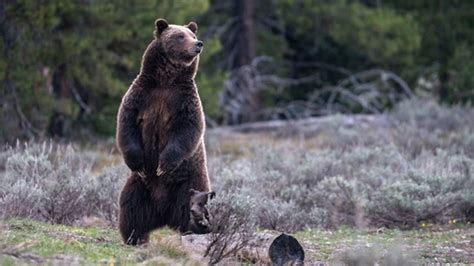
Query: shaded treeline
point(64, 65)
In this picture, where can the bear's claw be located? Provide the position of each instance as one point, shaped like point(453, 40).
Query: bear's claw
point(159, 172)
point(141, 174)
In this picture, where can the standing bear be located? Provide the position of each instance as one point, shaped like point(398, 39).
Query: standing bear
point(160, 131)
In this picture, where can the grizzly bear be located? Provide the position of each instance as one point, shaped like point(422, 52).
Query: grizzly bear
point(160, 129)
point(199, 222)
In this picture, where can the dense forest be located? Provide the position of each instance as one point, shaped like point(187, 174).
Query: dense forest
point(65, 65)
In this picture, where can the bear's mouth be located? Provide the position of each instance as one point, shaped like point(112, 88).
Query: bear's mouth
point(197, 217)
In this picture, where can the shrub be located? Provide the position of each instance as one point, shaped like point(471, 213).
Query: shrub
point(287, 216)
point(416, 166)
point(232, 225)
point(56, 183)
point(432, 189)
point(105, 192)
point(425, 125)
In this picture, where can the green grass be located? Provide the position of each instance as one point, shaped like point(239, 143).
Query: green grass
point(21, 238)
point(45, 240)
point(31, 242)
point(440, 244)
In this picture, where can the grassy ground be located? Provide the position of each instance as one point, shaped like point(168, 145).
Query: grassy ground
point(25, 241)
point(29, 242)
point(449, 244)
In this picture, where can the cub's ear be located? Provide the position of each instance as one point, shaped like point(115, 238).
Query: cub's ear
point(192, 26)
point(211, 194)
point(192, 192)
point(160, 24)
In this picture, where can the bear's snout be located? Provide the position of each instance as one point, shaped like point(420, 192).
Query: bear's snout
point(196, 214)
point(199, 46)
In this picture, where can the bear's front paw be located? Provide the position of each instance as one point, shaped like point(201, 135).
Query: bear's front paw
point(165, 168)
point(134, 158)
point(159, 171)
point(141, 173)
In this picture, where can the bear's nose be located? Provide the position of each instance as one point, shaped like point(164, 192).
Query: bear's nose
point(199, 44)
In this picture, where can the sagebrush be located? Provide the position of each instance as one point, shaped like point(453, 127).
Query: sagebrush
point(57, 183)
point(415, 167)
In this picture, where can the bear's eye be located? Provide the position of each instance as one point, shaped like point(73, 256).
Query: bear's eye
point(181, 38)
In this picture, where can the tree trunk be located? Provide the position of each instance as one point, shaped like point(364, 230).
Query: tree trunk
point(240, 98)
point(247, 39)
point(9, 100)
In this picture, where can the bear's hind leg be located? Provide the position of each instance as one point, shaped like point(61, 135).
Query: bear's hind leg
point(178, 216)
point(137, 215)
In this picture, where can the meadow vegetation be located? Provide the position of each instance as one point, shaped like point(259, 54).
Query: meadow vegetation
point(413, 171)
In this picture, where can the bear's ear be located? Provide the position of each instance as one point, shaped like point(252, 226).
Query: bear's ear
point(211, 194)
point(161, 25)
point(192, 26)
point(192, 192)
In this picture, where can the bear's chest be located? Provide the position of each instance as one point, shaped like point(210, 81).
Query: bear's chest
point(159, 109)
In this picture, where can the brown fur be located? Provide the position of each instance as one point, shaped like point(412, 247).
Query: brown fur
point(160, 135)
point(199, 214)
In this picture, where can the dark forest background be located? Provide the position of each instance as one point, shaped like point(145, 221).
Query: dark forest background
point(65, 65)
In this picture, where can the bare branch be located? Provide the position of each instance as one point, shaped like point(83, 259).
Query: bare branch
point(370, 91)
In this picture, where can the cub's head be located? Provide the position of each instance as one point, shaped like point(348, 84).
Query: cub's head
point(198, 201)
point(179, 43)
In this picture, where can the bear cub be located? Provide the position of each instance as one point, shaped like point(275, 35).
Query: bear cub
point(199, 222)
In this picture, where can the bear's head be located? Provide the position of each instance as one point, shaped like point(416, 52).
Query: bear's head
point(198, 201)
point(178, 42)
